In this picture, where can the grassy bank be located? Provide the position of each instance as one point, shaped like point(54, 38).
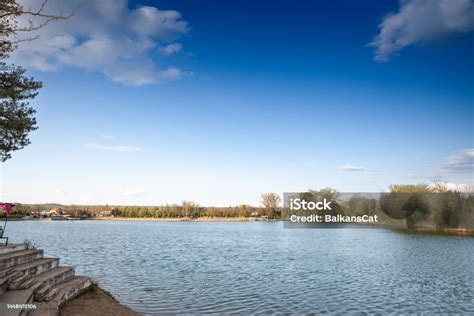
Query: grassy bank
point(436, 231)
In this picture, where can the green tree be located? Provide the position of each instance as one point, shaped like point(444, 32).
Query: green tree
point(361, 205)
point(409, 188)
point(16, 116)
point(143, 212)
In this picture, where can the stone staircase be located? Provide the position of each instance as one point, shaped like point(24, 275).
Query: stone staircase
point(28, 279)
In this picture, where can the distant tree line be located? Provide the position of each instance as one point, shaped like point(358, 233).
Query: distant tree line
point(184, 210)
point(416, 206)
point(413, 205)
point(430, 206)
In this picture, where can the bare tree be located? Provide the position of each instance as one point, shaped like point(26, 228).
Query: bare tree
point(10, 10)
point(17, 117)
point(438, 185)
point(271, 202)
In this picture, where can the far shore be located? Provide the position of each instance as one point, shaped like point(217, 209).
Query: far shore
point(164, 219)
point(398, 228)
point(176, 219)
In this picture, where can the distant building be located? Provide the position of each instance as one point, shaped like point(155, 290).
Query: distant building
point(52, 212)
point(105, 213)
point(56, 211)
point(254, 214)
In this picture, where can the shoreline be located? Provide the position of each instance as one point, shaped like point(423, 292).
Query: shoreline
point(176, 219)
point(463, 232)
point(95, 302)
point(468, 232)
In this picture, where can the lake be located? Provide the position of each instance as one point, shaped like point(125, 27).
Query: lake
point(248, 267)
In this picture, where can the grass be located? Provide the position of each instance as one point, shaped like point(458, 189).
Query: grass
point(95, 288)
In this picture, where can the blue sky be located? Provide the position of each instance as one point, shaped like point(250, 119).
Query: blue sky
point(216, 102)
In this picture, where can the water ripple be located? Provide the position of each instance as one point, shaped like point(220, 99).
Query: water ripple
point(248, 268)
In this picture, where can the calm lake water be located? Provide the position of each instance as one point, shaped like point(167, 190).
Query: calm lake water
point(249, 267)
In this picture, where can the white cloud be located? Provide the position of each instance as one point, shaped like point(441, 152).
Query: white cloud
point(171, 49)
point(151, 22)
point(448, 186)
point(351, 168)
point(171, 74)
point(108, 37)
point(420, 22)
point(114, 148)
point(461, 161)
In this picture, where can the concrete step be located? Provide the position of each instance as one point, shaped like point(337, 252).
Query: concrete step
point(51, 278)
point(47, 278)
point(5, 280)
point(28, 280)
point(17, 301)
point(12, 248)
point(32, 268)
point(17, 257)
point(3, 285)
point(68, 289)
point(59, 294)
